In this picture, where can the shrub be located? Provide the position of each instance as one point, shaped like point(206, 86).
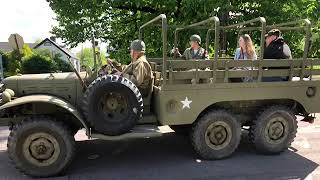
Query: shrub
point(61, 65)
point(5, 61)
point(36, 64)
point(13, 66)
point(33, 61)
point(26, 51)
point(43, 52)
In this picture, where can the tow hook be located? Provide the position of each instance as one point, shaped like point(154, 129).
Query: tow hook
point(309, 118)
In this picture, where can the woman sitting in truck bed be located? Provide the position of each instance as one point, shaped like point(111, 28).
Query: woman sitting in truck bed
point(245, 51)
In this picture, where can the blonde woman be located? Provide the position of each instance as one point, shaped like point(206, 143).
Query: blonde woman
point(246, 49)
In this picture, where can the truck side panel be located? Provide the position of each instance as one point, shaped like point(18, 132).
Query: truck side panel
point(182, 104)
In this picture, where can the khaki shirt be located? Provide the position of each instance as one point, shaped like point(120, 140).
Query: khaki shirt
point(190, 54)
point(140, 73)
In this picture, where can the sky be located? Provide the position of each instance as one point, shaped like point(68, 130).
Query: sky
point(32, 19)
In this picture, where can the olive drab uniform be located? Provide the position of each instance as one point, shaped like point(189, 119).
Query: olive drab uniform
point(140, 73)
point(189, 53)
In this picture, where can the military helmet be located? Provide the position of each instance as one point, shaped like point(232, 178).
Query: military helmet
point(196, 38)
point(138, 45)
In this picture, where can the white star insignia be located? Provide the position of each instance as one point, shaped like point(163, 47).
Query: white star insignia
point(186, 103)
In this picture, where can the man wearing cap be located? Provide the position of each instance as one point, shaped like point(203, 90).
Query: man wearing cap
point(195, 51)
point(276, 48)
point(139, 70)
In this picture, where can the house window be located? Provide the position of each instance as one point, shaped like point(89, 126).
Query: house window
point(47, 43)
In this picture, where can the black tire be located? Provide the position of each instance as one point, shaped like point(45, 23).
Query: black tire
point(230, 135)
point(274, 130)
point(112, 105)
point(50, 147)
point(181, 129)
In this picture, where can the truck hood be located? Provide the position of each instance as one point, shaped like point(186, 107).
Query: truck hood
point(41, 83)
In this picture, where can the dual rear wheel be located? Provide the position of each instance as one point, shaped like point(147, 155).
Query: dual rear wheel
point(217, 133)
point(274, 130)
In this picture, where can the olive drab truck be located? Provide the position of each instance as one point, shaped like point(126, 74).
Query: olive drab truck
point(45, 111)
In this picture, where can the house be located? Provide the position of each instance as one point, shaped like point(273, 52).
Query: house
point(54, 49)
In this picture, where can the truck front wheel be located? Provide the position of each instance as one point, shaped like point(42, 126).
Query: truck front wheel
point(216, 135)
point(41, 147)
point(274, 130)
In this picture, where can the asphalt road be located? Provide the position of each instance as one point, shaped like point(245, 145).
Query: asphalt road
point(171, 157)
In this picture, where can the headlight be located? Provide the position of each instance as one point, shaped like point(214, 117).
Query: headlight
point(6, 95)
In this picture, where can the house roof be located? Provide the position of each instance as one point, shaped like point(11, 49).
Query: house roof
point(5, 46)
point(64, 50)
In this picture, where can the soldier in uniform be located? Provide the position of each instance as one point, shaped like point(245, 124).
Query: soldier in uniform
point(139, 70)
point(195, 51)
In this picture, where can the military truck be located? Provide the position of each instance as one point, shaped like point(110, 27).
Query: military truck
point(44, 111)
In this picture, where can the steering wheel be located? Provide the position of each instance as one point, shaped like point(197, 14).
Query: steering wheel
point(108, 68)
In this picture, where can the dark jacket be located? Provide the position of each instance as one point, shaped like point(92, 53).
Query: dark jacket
point(277, 49)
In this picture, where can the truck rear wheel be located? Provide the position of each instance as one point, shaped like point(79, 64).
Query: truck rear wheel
point(274, 130)
point(41, 147)
point(216, 135)
point(112, 105)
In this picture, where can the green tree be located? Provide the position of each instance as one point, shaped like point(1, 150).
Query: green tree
point(86, 57)
point(119, 20)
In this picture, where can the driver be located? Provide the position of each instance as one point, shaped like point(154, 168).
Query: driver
point(139, 70)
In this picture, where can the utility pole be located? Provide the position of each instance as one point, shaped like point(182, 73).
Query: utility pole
point(94, 53)
point(99, 55)
point(82, 56)
point(1, 68)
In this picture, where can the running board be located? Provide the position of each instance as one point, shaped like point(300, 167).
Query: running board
point(140, 131)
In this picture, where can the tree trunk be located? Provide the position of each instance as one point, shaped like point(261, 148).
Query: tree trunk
point(223, 34)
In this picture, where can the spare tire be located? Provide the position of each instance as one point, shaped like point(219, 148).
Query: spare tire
point(112, 105)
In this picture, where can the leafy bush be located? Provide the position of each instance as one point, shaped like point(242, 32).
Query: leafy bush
point(14, 63)
point(11, 61)
point(36, 64)
point(26, 50)
point(5, 61)
point(33, 61)
point(61, 65)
